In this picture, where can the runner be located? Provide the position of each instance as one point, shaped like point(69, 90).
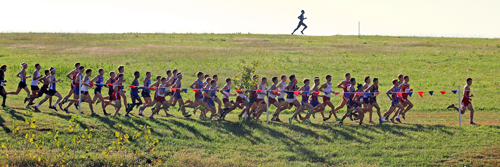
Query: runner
point(99, 79)
point(121, 69)
point(22, 84)
point(52, 91)
point(318, 107)
point(116, 95)
point(216, 79)
point(392, 94)
point(272, 98)
point(76, 89)
point(365, 100)
point(301, 22)
point(466, 102)
point(305, 92)
point(146, 91)
point(84, 91)
point(291, 98)
point(178, 96)
point(160, 101)
point(344, 85)
point(253, 96)
point(209, 100)
point(156, 84)
point(327, 89)
point(373, 90)
point(226, 92)
point(72, 75)
point(406, 102)
point(34, 83)
point(134, 93)
point(46, 82)
point(261, 95)
point(281, 98)
point(197, 85)
point(354, 103)
point(3, 68)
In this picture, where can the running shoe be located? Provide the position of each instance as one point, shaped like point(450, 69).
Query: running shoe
point(308, 121)
point(399, 120)
point(341, 123)
point(169, 115)
point(54, 108)
point(5, 108)
point(239, 117)
point(314, 114)
point(76, 106)
point(403, 115)
point(278, 120)
point(151, 117)
point(326, 118)
point(25, 99)
point(194, 111)
point(140, 114)
point(290, 120)
point(338, 119)
point(37, 110)
point(356, 118)
point(451, 106)
point(187, 115)
point(125, 115)
point(392, 120)
point(66, 110)
point(60, 106)
point(296, 119)
point(94, 114)
point(28, 107)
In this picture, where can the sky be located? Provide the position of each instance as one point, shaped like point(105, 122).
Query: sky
point(439, 18)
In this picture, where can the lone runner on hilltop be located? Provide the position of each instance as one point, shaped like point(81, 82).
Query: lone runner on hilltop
point(301, 22)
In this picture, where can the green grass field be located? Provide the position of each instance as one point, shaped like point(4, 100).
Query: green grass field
point(429, 136)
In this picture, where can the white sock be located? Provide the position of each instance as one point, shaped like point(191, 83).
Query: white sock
point(383, 117)
point(37, 105)
point(55, 104)
point(398, 115)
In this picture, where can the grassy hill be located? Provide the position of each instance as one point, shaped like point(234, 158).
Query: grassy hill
point(429, 135)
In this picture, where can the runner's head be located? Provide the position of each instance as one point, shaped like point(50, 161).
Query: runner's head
point(275, 80)
point(206, 76)
point(82, 69)
point(292, 79)
point(208, 80)
point(306, 81)
point(179, 76)
point(375, 81)
point(469, 81)
point(47, 72)
point(175, 71)
point(395, 82)
point(3, 67)
point(316, 81)
point(255, 77)
point(24, 65)
point(360, 86)
point(37, 66)
point(353, 81)
point(302, 11)
point(77, 65)
point(400, 77)
point(213, 83)
point(120, 77)
point(163, 80)
point(148, 74)
point(52, 70)
point(228, 81)
point(214, 77)
point(200, 75)
point(328, 78)
point(137, 74)
point(88, 72)
point(158, 78)
point(264, 80)
point(283, 78)
point(367, 79)
point(112, 74)
point(101, 71)
point(347, 76)
point(121, 68)
point(407, 78)
point(169, 73)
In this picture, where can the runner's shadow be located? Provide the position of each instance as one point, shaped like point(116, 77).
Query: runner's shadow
point(191, 129)
point(4, 126)
point(67, 117)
